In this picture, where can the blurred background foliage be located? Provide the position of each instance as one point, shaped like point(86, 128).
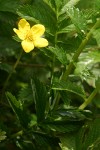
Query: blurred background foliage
point(30, 118)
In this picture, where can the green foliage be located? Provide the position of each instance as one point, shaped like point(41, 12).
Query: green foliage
point(6, 5)
point(69, 86)
point(55, 103)
point(2, 135)
point(25, 95)
point(67, 142)
point(60, 54)
point(89, 138)
point(97, 36)
point(18, 109)
point(77, 19)
point(36, 13)
point(40, 98)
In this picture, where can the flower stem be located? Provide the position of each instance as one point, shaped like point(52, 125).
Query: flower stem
point(89, 99)
point(79, 50)
point(14, 67)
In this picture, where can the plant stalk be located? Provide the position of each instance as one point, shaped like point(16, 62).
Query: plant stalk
point(90, 98)
point(14, 67)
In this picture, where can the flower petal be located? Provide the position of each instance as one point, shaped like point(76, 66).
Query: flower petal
point(40, 42)
point(20, 34)
point(37, 30)
point(27, 45)
point(23, 25)
point(24, 28)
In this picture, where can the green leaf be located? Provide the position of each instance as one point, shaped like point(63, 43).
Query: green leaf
point(69, 4)
point(97, 5)
point(70, 87)
point(18, 109)
point(64, 120)
point(94, 56)
point(67, 29)
point(56, 5)
point(6, 67)
point(65, 96)
point(2, 135)
point(39, 12)
point(6, 5)
point(67, 141)
point(96, 35)
point(90, 13)
point(45, 141)
point(77, 19)
point(60, 54)
point(26, 95)
point(89, 136)
point(40, 98)
point(97, 83)
point(62, 127)
point(86, 69)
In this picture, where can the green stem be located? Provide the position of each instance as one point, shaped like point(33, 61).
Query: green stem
point(75, 57)
point(79, 50)
point(14, 67)
point(53, 62)
point(90, 98)
point(53, 65)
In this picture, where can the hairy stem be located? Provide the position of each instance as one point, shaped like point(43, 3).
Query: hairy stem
point(79, 50)
point(14, 67)
point(89, 99)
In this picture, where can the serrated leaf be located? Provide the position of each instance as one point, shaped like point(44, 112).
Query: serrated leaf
point(67, 115)
point(64, 120)
point(57, 5)
point(90, 13)
point(77, 19)
point(89, 136)
point(40, 98)
point(62, 128)
point(69, 4)
point(59, 53)
point(45, 140)
point(18, 109)
point(84, 68)
point(67, 142)
point(70, 87)
point(65, 96)
point(26, 95)
point(67, 29)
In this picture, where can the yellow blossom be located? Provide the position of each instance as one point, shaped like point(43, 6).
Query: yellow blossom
point(31, 36)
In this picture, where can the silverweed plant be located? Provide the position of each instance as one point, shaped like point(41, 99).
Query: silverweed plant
point(49, 74)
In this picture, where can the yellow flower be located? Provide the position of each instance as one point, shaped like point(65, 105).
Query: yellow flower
point(31, 36)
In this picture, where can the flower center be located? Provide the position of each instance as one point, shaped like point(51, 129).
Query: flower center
point(29, 37)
